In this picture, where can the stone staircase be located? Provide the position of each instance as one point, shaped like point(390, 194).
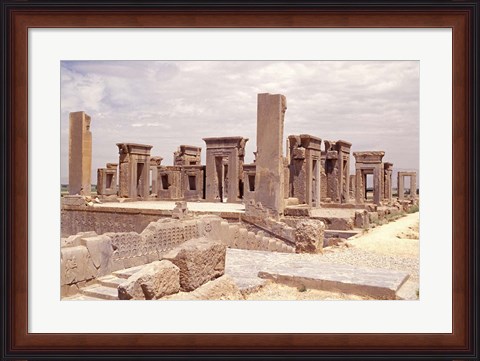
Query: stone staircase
point(106, 286)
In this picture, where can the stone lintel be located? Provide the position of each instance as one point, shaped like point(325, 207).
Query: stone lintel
point(407, 174)
point(249, 167)
point(189, 149)
point(112, 165)
point(192, 167)
point(343, 144)
point(170, 168)
point(225, 142)
point(369, 156)
point(134, 148)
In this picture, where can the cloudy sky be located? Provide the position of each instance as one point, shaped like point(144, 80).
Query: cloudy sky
point(372, 104)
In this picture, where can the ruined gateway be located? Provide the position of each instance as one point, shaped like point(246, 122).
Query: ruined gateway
point(115, 246)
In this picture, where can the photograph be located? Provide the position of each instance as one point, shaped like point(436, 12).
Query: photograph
point(239, 180)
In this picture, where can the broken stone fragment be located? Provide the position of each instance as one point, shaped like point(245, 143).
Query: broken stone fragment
point(101, 250)
point(309, 236)
point(155, 280)
point(200, 260)
point(222, 288)
point(73, 264)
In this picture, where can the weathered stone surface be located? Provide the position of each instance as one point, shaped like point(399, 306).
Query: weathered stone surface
point(337, 223)
point(376, 283)
point(298, 211)
point(361, 219)
point(309, 236)
point(210, 227)
point(101, 250)
point(224, 168)
point(74, 265)
point(269, 180)
point(222, 288)
point(153, 281)
point(200, 260)
point(180, 211)
point(75, 240)
point(73, 200)
point(80, 154)
point(373, 217)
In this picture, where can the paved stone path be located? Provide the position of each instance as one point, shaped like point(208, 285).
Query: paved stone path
point(251, 269)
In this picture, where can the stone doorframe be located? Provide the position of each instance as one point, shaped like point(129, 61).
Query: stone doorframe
point(401, 184)
point(224, 153)
point(368, 163)
point(134, 170)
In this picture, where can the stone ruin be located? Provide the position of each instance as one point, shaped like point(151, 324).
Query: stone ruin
point(80, 154)
point(306, 175)
point(88, 257)
point(279, 190)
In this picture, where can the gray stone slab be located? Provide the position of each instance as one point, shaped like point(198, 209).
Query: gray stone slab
point(246, 267)
point(98, 291)
point(380, 284)
point(127, 272)
point(110, 281)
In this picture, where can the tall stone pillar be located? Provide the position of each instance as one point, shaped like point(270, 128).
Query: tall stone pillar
point(400, 186)
point(80, 154)
point(388, 169)
point(269, 178)
point(413, 185)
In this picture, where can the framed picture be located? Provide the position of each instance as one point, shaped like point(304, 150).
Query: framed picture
point(46, 41)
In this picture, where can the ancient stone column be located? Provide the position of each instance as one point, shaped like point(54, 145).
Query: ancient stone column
point(413, 185)
point(400, 186)
point(388, 169)
point(80, 154)
point(269, 179)
point(155, 162)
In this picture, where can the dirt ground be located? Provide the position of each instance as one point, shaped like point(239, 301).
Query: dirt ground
point(392, 246)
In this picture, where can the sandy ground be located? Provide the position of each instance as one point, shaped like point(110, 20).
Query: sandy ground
point(399, 238)
point(391, 246)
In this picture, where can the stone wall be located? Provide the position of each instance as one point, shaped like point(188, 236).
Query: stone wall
point(76, 219)
point(87, 255)
point(102, 220)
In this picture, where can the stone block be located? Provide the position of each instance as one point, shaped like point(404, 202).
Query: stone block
point(298, 211)
point(272, 244)
point(155, 280)
point(242, 238)
point(361, 219)
point(209, 227)
point(251, 240)
point(73, 200)
point(75, 240)
point(75, 265)
point(224, 232)
point(101, 251)
point(258, 242)
point(233, 235)
point(373, 217)
point(199, 261)
point(222, 288)
point(69, 290)
point(309, 236)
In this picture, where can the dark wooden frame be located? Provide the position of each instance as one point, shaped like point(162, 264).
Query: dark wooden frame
point(18, 16)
